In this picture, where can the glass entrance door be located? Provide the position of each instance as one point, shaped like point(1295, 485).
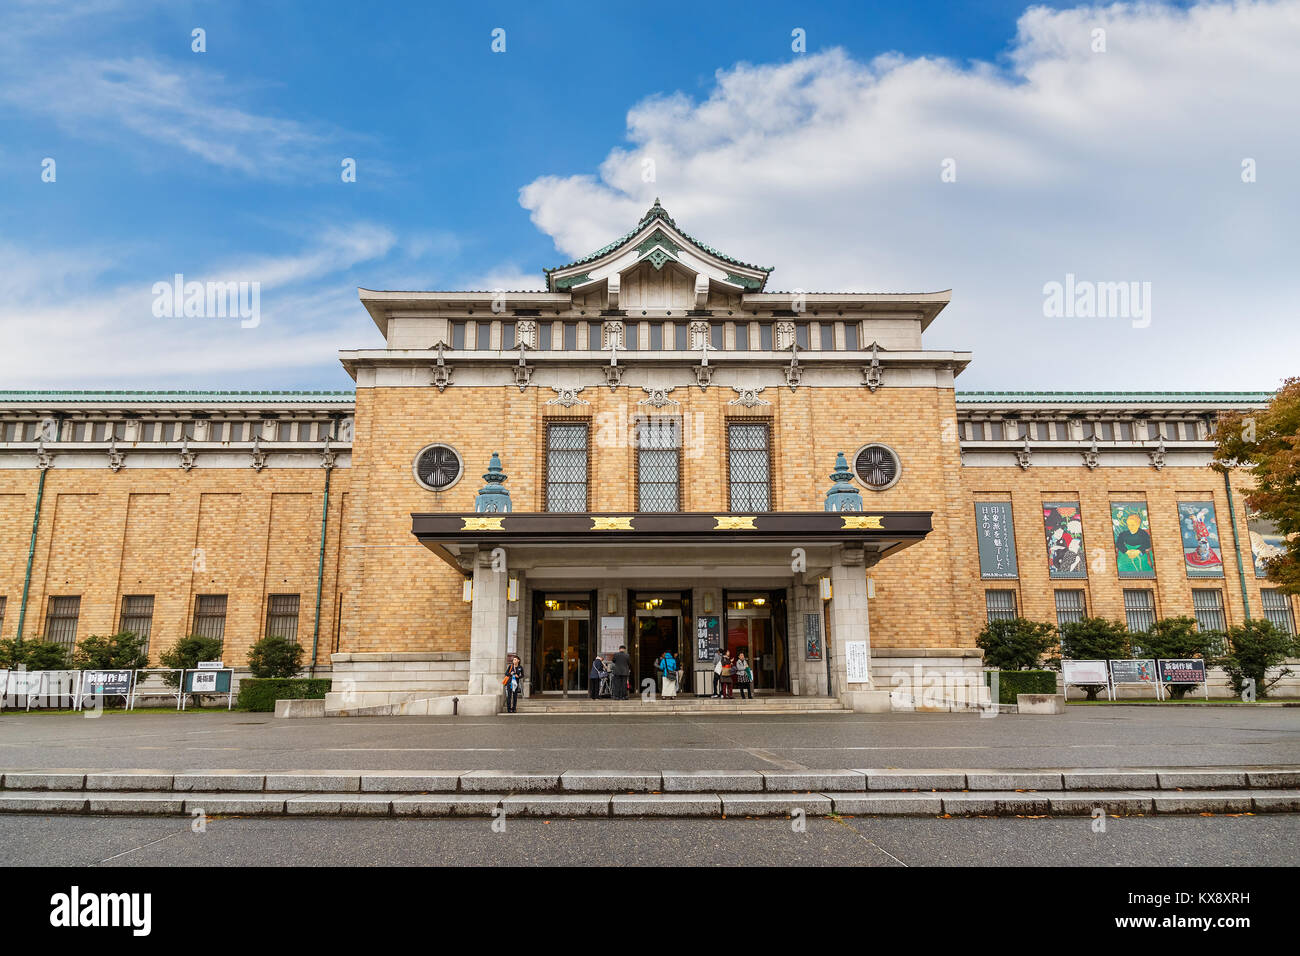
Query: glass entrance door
point(750, 630)
point(562, 657)
point(658, 629)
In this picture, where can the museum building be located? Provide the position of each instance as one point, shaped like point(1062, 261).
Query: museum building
point(655, 451)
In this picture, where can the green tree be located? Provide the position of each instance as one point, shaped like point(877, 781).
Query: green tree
point(1016, 644)
point(186, 653)
point(119, 651)
point(1094, 639)
point(275, 657)
point(1267, 444)
point(43, 655)
point(12, 654)
point(1177, 637)
point(1253, 648)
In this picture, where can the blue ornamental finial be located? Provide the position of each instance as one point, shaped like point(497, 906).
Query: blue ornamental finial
point(842, 496)
point(493, 496)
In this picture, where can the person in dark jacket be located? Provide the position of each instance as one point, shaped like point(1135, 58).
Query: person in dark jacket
point(513, 683)
point(622, 668)
point(595, 677)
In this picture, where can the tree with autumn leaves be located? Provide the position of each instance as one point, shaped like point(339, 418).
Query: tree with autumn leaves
point(1266, 444)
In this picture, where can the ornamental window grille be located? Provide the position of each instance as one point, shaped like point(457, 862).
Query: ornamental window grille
point(438, 467)
point(61, 621)
point(1139, 610)
point(1208, 605)
point(137, 616)
point(750, 466)
point(999, 605)
point(659, 462)
point(877, 466)
point(1070, 607)
point(282, 616)
point(210, 616)
point(1277, 610)
point(566, 466)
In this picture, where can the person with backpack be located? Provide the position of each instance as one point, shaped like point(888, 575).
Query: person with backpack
point(513, 682)
point(744, 677)
point(668, 669)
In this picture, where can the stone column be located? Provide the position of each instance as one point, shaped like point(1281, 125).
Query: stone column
point(487, 629)
point(811, 674)
point(849, 622)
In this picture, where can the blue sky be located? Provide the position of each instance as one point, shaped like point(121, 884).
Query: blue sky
point(477, 168)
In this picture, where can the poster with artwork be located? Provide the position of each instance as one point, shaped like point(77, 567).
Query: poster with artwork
point(1265, 542)
point(1132, 528)
point(996, 539)
point(1202, 553)
point(1063, 527)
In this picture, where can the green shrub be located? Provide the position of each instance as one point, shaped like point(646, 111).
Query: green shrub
point(43, 655)
point(1254, 647)
point(262, 693)
point(1011, 683)
point(187, 653)
point(275, 657)
point(12, 654)
point(120, 651)
point(1172, 638)
point(1016, 644)
point(1094, 639)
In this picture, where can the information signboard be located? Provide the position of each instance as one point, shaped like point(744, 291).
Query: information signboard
point(856, 662)
point(1087, 673)
point(1135, 671)
point(708, 638)
point(209, 682)
point(1186, 670)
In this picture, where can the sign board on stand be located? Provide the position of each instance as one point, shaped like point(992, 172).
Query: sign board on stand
point(1135, 672)
point(1084, 673)
point(209, 681)
point(1186, 670)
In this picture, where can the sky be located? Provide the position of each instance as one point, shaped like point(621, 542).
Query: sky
point(993, 149)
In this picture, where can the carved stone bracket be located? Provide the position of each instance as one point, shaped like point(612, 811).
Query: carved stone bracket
point(1158, 455)
point(1024, 455)
point(871, 374)
point(748, 397)
point(187, 456)
point(703, 376)
point(658, 397)
point(44, 460)
point(793, 371)
point(568, 397)
point(257, 457)
point(523, 371)
point(115, 458)
point(441, 370)
point(327, 456)
point(1092, 457)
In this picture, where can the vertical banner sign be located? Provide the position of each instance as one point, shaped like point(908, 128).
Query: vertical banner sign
point(708, 638)
point(1063, 528)
point(855, 661)
point(1265, 542)
point(1202, 553)
point(1132, 528)
point(813, 637)
point(996, 539)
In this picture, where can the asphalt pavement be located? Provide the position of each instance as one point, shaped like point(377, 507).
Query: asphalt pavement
point(1109, 736)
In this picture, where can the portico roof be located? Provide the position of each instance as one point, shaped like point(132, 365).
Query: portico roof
point(764, 538)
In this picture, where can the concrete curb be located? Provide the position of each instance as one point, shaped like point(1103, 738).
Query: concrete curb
point(355, 784)
point(706, 805)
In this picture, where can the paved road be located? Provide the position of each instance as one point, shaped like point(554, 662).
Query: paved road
point(862, 841)
point(1084, 737)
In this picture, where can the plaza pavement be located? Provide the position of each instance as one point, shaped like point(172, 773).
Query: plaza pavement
point(1110, 736)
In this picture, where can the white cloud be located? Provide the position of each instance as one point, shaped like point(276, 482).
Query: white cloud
point(1115, 166)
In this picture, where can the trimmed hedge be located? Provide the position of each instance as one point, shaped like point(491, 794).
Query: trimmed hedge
point(261, 693)
point(1011, 683)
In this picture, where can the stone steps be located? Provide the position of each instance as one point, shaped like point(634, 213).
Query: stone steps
point(682, 705)
point(690, 804)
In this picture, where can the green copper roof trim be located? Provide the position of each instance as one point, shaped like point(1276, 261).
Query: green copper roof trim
point(655, 212)
point(743, 281)
point(130, 395)
point(569, 282)
point(657, 238)
point(1113, 397)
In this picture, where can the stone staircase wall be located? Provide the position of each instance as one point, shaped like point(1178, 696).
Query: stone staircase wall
point(372, 680)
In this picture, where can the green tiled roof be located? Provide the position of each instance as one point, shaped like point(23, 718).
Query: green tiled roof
point(655, 212)
point(185, 396)
point(1112, 398)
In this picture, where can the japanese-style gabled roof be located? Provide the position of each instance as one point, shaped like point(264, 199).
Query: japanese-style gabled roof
point(1115, 398)
point(654, 213)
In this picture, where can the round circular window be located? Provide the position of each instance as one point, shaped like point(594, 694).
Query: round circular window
point(877, 466)
point(438, 467)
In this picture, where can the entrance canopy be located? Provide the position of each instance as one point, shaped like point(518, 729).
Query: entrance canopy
point(680, 543)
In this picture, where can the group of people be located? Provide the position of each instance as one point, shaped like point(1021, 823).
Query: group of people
point(732, 672)
point(614, 679)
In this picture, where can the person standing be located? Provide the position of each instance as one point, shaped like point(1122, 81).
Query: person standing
point(595, 677)
point(668, 667)
point(514, 680)
point(622, 668)
point(717, 674)
point(728, 675)
point(744, 677)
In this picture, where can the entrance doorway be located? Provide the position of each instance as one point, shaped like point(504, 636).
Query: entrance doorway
point(659, 618)
point(561, 654)
point(755, 625)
